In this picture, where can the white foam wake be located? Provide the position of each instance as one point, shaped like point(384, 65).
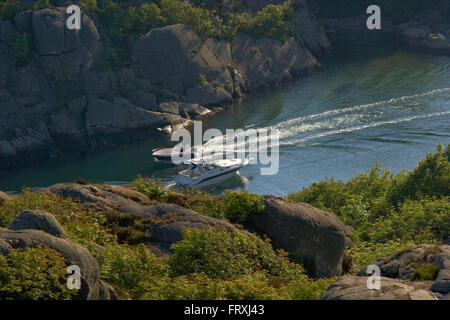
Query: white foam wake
point(370, 125)
point(348, 116)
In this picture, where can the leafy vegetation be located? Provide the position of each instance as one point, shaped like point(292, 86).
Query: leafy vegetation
point(389, 213)
point(82, 227)
point(33, 274)
point(9, 8)
point(195, 270)
point(154, 189)
point(225, 255)
point(393, 210)
point(238, 206)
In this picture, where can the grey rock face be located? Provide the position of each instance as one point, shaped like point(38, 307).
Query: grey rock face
point(172, 77)
point(404, 265)
point(102, 197)
point(91, 286)
point(442, 282)
point(398, 281)
point(355, 288)
point(172, 219)
point(38, 220)
point(105, 118)
point(61, 49)
point(310, 30)
point(175, 57)
point(264, 62)
point(316, 235)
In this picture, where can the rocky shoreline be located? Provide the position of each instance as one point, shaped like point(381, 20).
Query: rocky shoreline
point(428, 31)
point(63, 99)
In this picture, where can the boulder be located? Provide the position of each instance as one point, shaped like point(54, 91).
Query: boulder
point(38, 220)
point(406, 264)
point(102, 196)
point(64, 50)
point(73, 253)
point(316, 236)
point(403, 264)
point(170, 220)
point(442, 281)
point(164, 222)
point(355, 288)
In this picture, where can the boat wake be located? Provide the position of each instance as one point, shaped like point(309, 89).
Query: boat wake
point(340, 121)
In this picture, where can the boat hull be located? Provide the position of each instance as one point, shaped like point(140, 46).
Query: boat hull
point(208, 181)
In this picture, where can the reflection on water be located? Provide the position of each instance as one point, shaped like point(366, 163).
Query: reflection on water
point(376, 103)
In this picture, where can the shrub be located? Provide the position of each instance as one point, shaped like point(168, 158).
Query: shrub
point(364, 253)
point(33, 274)
point(410, 206)
point(89, 5)
point(226, 255)
point(10, 8)
point(154, 189)
point(203, 203)
point(202, 79)
point(133, 270)
point(273, 21)
point(425, 272)
point(82, 227)
point(430, 178)
point(238, 206)
point(306, 288)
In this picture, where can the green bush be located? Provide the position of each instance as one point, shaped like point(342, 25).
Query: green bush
point(82, 227)
point(9, 8)
point(203, 203)
point(238, 206)
point(421, 221)
point(133, 271)
point(154, 189)
point(273, 21)
point(410, 206)
point(89, 5)
point(226, 255)
point(364, 253)
point(425, 272)
point(430, 178)
point(33, 274)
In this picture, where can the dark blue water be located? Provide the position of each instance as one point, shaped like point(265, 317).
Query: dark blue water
point(376, 103)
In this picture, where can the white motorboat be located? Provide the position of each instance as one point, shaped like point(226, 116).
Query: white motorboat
point(165, 154)
point(201, 173)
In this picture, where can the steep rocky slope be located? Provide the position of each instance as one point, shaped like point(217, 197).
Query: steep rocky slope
point(61, 96)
